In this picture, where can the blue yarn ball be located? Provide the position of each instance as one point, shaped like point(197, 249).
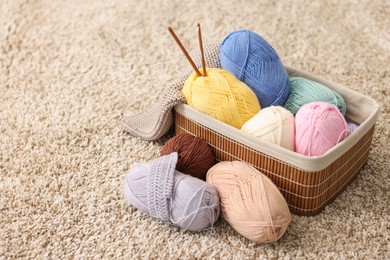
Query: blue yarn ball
point(253, 60)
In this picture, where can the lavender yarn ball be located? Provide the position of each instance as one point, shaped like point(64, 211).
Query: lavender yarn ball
point(160, 191)
point(352, 127)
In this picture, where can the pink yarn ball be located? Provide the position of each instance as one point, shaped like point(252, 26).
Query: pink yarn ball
point(319, 127)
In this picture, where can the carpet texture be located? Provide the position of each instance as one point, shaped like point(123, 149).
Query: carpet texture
point(69, 72)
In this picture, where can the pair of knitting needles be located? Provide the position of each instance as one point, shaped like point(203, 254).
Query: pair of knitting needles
point(186, 53)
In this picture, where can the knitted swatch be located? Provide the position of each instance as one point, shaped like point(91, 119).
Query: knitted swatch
point(155, 121)
point(159, 185)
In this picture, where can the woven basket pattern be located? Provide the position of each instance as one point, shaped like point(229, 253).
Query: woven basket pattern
point(307, 193)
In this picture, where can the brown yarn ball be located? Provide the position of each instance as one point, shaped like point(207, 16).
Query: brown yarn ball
point(195, 155)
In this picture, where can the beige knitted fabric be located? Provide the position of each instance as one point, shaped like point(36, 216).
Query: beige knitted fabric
point(155, 121)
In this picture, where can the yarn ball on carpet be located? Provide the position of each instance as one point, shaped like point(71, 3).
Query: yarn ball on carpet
point(250, 202)
point(194, 154)
point(160, 191)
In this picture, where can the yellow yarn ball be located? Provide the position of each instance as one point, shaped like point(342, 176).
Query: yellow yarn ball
point(222, 96)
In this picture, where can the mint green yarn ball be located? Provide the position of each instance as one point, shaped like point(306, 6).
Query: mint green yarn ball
point(304, 91)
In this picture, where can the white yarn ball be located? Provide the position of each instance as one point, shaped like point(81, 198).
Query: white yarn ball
point(274, 124)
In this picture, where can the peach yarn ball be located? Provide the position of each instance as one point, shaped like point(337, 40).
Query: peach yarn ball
point(250, 202)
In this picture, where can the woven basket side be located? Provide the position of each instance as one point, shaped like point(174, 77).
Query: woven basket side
point(307, 193)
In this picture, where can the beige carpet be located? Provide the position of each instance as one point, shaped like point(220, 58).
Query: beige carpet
point(69, 72)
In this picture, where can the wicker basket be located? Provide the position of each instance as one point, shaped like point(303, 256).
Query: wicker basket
point(307, 183)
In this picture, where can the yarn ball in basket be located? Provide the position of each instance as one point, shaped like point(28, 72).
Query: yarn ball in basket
point(195, 155)
point(274, 124)
point(250, 202)
point(319, 127)
point(305, 91)
point(161, 192)
point(222, 96)
point(352, 126)
point(253, 60)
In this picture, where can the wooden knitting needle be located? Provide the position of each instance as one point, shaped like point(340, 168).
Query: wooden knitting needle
point(201, 50)
point(184, 51)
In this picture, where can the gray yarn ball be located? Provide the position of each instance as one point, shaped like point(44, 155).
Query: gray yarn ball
point(160, 191)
